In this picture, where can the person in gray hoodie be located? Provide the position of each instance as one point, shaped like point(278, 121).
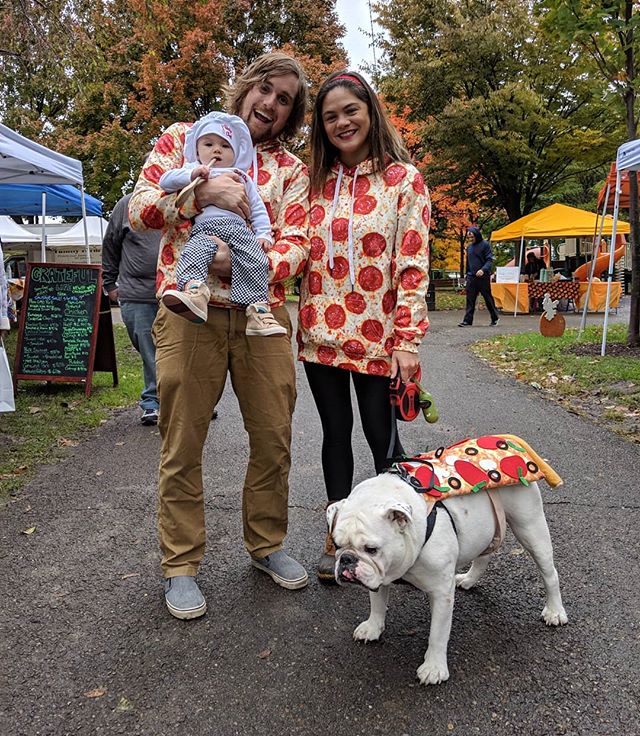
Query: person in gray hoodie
point(479, 265)
point(129, 263)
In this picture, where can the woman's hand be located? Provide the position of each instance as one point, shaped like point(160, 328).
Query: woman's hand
point(405, 363)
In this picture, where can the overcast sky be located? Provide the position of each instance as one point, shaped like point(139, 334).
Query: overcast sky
point(354, 14)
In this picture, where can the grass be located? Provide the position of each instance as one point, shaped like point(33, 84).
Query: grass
point(450, 299)
point(606, 389)
point(50, 418)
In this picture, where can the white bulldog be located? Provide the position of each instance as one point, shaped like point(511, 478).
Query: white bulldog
point(379, 532)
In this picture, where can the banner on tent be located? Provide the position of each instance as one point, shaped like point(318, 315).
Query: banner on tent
point(65, 330)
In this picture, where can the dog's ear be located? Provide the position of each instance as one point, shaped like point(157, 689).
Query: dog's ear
point(332, 511)
point(398, 513)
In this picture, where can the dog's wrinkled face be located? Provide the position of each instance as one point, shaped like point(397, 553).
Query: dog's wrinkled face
point(372, 546)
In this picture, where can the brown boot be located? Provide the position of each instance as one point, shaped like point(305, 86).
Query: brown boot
point(327, 562)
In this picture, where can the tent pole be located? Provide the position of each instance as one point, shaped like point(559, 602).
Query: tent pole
point(43, 245)
point(612, 247)
point(84, 221)
point(515, 308)
point(596, 244)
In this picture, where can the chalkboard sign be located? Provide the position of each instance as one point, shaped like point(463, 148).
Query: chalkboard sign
point(59, 325)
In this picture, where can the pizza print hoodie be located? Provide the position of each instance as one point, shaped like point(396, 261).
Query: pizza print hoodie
point(363, 292)
point(283, 184)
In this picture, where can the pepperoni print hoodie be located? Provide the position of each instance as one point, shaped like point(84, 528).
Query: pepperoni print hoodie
point(283, 183)
point(364, 286)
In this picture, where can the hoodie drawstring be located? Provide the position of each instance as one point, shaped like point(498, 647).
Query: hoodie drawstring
point(336, 197)
point(255, 166)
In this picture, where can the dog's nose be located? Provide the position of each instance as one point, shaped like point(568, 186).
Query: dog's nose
point(348, 559)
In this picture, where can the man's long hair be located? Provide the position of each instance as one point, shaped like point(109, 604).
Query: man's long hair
point(385, 141)
point(274, 64)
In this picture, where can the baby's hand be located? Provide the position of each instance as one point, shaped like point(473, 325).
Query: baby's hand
point(200, 171)
point(266, 244)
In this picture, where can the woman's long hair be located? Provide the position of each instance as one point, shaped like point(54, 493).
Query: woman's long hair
point(384, 140)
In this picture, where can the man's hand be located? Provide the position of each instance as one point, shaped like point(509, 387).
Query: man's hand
point(221, 263)
point(266, 245)
point(405, 363)
point(225, 191)
point(113, 295)
point(479, 273)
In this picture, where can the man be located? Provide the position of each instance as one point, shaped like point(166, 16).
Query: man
point(479, 263)
point(129, 260)
point(193, 360)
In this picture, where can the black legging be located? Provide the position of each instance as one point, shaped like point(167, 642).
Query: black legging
point(332, 393)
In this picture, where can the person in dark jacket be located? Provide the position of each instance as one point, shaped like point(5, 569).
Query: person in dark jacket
point(129, 263)
point(479, 263)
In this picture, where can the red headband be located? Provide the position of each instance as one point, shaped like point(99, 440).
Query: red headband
point(349, 78)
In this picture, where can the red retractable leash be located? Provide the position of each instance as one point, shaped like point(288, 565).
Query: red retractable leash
point(407, 401)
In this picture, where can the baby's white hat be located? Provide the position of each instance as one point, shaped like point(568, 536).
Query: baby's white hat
point(230, 127)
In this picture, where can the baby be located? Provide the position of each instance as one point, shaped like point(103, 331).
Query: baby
point(215, 144)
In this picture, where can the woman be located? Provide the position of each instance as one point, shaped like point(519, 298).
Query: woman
point(362, 301)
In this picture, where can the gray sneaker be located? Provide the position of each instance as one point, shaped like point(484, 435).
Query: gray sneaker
point(284, 570)
point(183, 597)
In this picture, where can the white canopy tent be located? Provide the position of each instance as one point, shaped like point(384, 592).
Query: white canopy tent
point(96, 227)
point(23, 161)
point(627, 159)
point(11, 232)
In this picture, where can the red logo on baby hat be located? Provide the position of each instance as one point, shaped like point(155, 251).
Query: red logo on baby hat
point(227, 130)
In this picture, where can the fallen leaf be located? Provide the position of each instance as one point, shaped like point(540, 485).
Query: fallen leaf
point(264, 654)
point(130, 575)
point(119, 444)
point(535, 385)
point(517, 551)
point(30, 530)
point(64, 442)
point(124, 705)
point(97, 693)
point(100, 472)
point(34, 409)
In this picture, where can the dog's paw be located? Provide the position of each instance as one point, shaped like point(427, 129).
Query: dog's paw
point(465, 581)
point(553, 617)
point(433, 672)
point(368, 631)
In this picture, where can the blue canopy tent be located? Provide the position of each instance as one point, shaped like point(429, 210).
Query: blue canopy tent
point(23, 161)
point(62, 199)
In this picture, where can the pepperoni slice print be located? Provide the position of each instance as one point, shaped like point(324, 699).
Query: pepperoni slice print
point(373, 244)
point(377, 368)
point(165, 144)
point(515, 467)
point(317, 248)
point(335, 316)
point(340, 268)
point(411, 243)
point(152, 217)
point(364, 205)
point(153, 173)
point(418, 184)
point(394, 174)
point(314, 281)
point(389, 301)
point(340, 229)
point(354, 349)
point(372, 330)
point(411, 278)
point(326, 355)
point(167, 257)
point(295, 214)
point(308, 316)
point(471, 473)
point(283, 271)
point(370, 278)
point(403, 316)
point(355, 302)
point(316, 214)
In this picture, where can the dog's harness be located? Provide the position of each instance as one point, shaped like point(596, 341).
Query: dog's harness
point(470, 466)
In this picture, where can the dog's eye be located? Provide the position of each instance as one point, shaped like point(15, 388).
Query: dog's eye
point(370, 550)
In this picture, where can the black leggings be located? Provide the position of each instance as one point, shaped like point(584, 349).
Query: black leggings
point(331, 391)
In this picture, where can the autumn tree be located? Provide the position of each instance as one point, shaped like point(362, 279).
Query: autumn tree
point(607, 33)
point(496, 99)
point(100, 80)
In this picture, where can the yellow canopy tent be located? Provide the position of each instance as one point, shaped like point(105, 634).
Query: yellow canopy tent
point(557, 221)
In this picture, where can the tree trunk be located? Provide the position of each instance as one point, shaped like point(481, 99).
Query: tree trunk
point(633, 333)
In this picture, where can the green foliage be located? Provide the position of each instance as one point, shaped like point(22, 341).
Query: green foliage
point(498, 99)
point(100, 80)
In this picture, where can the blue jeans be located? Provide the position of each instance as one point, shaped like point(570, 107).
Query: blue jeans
point(138, 318)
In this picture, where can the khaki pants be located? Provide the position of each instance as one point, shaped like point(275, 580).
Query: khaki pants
point(192, 364)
